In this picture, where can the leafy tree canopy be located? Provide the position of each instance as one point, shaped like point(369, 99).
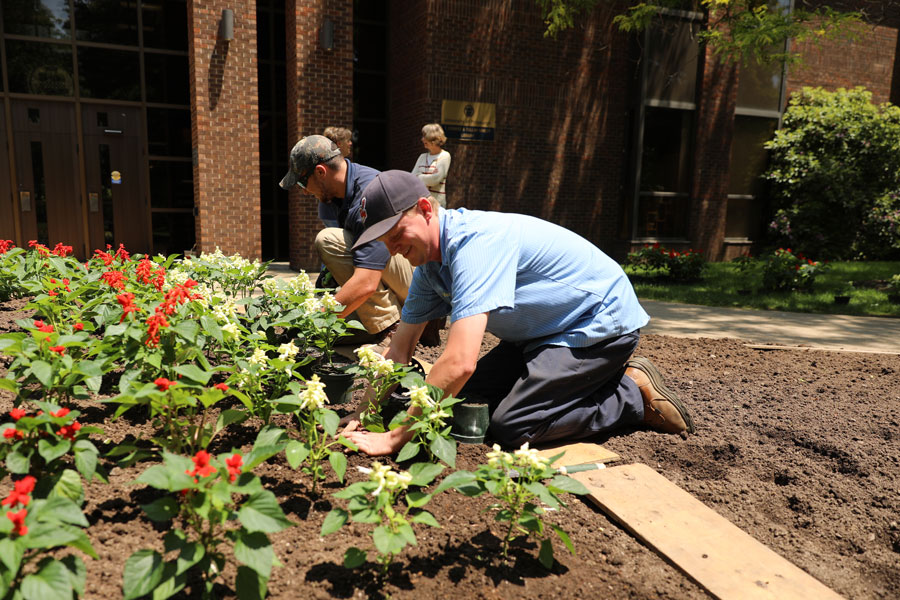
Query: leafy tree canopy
point(736, 30)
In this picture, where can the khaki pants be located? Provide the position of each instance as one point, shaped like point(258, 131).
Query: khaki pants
point(382, 309)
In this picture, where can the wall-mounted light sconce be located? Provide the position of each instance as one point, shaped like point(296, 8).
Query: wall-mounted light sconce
point(326, 35)
point(226, 25)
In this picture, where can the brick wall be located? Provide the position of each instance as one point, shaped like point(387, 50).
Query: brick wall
point(319, 94)
point(562, 108)
point(225, 128)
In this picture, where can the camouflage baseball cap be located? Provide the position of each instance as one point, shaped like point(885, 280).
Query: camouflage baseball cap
point(306, 154)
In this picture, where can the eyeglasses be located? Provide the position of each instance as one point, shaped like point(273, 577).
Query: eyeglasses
point(304, 179)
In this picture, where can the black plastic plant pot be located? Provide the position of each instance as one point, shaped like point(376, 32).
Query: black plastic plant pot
point(470, 422)
point(338, 383)
point(842, 299)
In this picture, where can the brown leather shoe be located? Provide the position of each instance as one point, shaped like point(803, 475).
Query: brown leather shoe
point(663, 411)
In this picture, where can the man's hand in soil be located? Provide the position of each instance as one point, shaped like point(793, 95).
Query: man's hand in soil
point(378, 444)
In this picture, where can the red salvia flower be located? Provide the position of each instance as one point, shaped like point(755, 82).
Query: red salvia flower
point(144, 270)
point(17, 413)
point(115, 279)
point(122, 254)
point(201, 465)
point(153, 324)
point(11, 432)
point(62, 250)
point(164, 384)
point(78, 326)
point(18, 519)
point(127, 302)
point(234, 466)
point(69, 431)
point(106, 257)
point(58, 349)
point(53, 293)
point(5, 245)
point(221, 386)
point(20, 494)
point(60, 413)
point(160, 280)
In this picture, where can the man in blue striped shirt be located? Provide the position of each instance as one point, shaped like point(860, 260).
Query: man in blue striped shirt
point(566, 314)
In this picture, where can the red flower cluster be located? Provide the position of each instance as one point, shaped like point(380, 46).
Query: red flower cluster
point(115, 279)
point(5, 245)
point(21, 492)
point(106, 257)
point(60, 413)
point(147, 274)
point(234, 465)
point(153, 324)
point(62, 250)
point(78, 326)
point(18, 519)
point(122, 253)
point(221, 386)
point(17, 413)
point(11, 432)
point(179, 294)
point(58, 349)
point(201, 465)
point(164, 384)
point(69, 431)
point(40, 248)
point(41, 326)
point(126, 300)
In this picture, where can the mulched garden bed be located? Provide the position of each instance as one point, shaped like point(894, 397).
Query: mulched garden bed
point(799, 449)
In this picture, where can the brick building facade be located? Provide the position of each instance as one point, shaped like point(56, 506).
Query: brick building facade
point(622, 138)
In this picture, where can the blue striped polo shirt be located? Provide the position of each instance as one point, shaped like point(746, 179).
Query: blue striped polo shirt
point(539, 283)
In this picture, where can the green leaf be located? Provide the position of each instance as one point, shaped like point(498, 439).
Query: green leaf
point(143, 572)
point(77, 573)
point(261, 512)
point(68, 485)
point(564, 483)
point(295, 453)
point(85, 458)
point(334, 520)
point(537, 488)
point(59, 510)
point(354, 557)
point(43, 372)
point(410, 450)
point(330, 421)
point(444, 449)
point(51, 581)
point(426, 518)
point(51, 448)
point(49, 535)
point(424, 473)
point(255, 551)
point(170, 583)
point(339, 464)
point(211, 327)
point(161, 509)
point(384, 539)
point(230, 416)
point(156, 476)
point(250, 585)
point(546, 554)
point(191, 553)
point(17, 462)
point(11, 554)
point(456, 479)
point(8, 384)
point(193, 373)
point(188, 330)
point(564, 537)
point(417, 499)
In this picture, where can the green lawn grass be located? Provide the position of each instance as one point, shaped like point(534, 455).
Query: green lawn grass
point(721, 282)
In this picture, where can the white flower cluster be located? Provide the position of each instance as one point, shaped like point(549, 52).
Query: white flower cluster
point(313, 397)
point(225, 311)
point(259, 358)
point(387, 479)
point(523, 457)
point(288, 351)
point(311, 305)
point(231, 330)
point(175, 276)
point(419, 396)
point(235, 261)
point(275, 288)
point(301, 283)
point(373, 362)
point(329, 303)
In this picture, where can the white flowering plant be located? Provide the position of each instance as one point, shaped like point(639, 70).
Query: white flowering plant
point(517, 482)
point(234, 275)
point(325, 326)
point(318, 426)
point(381, 375)
point(429, 419)
point(375, 501)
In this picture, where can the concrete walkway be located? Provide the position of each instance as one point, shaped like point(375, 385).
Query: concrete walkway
point(769, 327)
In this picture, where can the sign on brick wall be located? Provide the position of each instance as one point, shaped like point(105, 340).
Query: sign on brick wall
point(471, 121)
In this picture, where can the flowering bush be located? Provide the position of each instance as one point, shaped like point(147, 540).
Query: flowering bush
point(381, 376)
point(11, 270)
point(784, 270)
point(234, 275)
point(834, 165)
point(32, 536)
point(678, 266)
point(428, 420)
point(516, 481)
point(318, 428)
point(375, 502)
point(205, 498)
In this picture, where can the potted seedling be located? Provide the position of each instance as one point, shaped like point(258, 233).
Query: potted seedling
point(326, 329)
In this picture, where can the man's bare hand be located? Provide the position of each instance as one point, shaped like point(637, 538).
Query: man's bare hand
point(375, 444)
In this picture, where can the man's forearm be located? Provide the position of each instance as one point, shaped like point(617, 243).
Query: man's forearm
point(357, 289)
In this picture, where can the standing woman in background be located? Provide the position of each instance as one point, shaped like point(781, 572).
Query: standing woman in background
point(433, 165)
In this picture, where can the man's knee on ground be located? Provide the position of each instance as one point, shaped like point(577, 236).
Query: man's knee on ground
point(507, 433)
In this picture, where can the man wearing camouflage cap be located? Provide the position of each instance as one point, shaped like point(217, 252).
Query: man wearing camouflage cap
point(373, 283)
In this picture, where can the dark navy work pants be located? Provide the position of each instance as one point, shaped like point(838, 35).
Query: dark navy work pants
point(554, 393)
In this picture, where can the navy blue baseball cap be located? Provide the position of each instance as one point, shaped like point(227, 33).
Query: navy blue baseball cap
point(385, 199)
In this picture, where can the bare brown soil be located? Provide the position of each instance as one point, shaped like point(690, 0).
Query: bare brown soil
point(799, 449)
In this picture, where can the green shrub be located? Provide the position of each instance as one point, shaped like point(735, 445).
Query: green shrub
point(671, 264)
point(835, 175)
point(784, 271)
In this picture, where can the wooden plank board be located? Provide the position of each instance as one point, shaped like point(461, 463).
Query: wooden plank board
point(578, 454)
point(712, 551)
